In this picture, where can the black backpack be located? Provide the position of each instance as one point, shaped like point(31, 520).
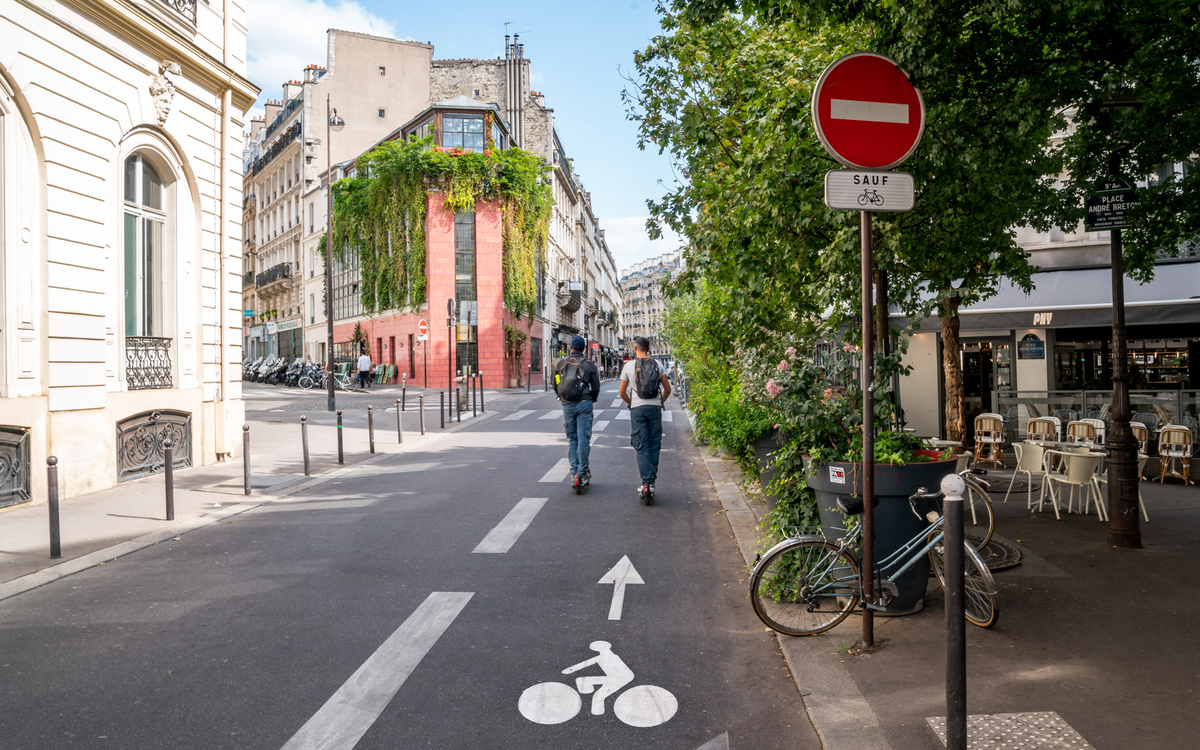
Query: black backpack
point(569, 381)
point(647, 378)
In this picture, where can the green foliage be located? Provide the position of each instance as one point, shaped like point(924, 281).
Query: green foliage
point(381, 212)
point(358, 339)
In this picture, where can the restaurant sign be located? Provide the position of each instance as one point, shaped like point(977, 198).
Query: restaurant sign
point(1031, 347)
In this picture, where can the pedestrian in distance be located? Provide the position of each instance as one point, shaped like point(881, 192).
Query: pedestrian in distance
point(364, 369)
point(577, 385)
point(645, 389)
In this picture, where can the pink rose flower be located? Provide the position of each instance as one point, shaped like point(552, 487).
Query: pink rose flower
point(782, 366)
point(791, 351)
point(773, 389)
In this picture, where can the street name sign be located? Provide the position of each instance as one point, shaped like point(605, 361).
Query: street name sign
point(1110, 198)
point(867, 113)
point(860, 190)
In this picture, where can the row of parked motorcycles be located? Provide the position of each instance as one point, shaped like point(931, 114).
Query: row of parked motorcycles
point(298, 373)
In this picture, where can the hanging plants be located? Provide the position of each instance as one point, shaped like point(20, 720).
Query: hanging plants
point(381, 214)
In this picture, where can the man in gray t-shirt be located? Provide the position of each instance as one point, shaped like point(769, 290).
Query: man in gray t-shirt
point(645, 413)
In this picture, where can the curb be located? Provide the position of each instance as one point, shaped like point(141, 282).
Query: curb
point(50, 574)
point(840, 714)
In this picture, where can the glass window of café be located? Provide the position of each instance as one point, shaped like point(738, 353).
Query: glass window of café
point(1161, 357)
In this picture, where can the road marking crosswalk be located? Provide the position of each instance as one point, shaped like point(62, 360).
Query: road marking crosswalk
point(559, 472)
point(515, 416)
point(500, 539)
point(623, 415)
point(617, 403)
point(350, 712)
point(668, 416)
point(599, 426)
point(552, 414)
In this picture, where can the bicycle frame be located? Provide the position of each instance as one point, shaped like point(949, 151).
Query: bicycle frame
point(884, 568)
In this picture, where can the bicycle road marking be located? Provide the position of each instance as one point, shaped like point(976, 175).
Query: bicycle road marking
point(515, 416)
point(551, 414)
point(350, 712)
point(559, 472)
point(599, 426)
point(500, 539)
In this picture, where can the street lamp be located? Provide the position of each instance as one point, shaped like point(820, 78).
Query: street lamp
point(333, 124)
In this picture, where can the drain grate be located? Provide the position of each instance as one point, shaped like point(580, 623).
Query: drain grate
point(998, 555)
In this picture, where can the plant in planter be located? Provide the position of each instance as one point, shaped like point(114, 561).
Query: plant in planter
point(514, 351)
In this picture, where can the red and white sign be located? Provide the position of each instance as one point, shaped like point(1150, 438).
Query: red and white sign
point(423, 327)
point(867, 114)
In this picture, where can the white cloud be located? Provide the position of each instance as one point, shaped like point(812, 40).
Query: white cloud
point(629, 243)
point(286, 35)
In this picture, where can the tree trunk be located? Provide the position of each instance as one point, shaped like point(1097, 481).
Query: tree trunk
point(952, 368)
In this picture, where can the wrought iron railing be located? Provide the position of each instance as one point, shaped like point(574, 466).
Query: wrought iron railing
point(140, 442)
point(247, 279)
point(147, 362)
point(185, 8)
point(14, 466)
point(274, 273)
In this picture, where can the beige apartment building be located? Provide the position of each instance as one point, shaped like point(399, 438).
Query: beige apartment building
point(644, 301)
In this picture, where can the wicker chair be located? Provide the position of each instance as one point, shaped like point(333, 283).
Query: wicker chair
point(1175, 453)
point(1081, 432)
point(1042, 428)
point(989, 439)
point(1066, 415)
point(1142, 435)
point(1100, 428)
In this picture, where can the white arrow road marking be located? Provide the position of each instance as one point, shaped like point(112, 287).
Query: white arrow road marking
point(501, 538)
point(621, 575)
point(668, 416)
point(351, 711)
point(515, 416)
point(552, 414)
point(847, 109)
point(716, 743)
point(599, 426)
point(559, 472)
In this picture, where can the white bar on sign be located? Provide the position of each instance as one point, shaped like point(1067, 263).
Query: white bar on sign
point(848, 109)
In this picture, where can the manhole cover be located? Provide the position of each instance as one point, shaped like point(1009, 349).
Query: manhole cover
point(998, 555)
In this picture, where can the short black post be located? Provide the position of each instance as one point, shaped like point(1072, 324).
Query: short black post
point(371, 427)
point(481, 407)
point(399, 427)
point(474, 388)
point(52, 491)
point(246, 457)
point(341, 453)
point(956, 625)
point(169, 474)
point(457, 396)
point(304, 441)
point(403, 391)
point(528, 377)
point(442, 409)
point(421, 405)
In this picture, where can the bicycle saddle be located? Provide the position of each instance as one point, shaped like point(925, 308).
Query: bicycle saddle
point(852, 506)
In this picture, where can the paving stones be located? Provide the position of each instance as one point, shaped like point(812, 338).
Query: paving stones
point(1038, 730)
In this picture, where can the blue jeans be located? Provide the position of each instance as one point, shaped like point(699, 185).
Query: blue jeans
point(577, 420)
point(646, 429)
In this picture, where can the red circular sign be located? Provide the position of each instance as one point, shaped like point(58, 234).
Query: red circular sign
point(423, 327)
point(867, 114)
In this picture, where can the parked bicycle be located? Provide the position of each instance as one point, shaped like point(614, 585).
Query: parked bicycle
point(808, 584)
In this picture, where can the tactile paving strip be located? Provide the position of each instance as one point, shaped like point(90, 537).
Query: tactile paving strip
point(1040, 730)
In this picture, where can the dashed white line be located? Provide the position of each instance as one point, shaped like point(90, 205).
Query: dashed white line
point(617, 403)
point(506, 533)
point(552, 414)
point(623, 415)
point(668, 416)
point(515, 416)
point(599, 426)
point(350, 712)
point(559, 472)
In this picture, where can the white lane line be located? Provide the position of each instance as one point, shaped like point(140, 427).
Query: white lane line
point(848, 109)
point(515, 416)
point(501, 538)
point(668, 416)
point(552, 414)
point(599, 426)
point(559, 472)
point(351, 711)
point(623, 415)
point(597, 412)
point(617, 403)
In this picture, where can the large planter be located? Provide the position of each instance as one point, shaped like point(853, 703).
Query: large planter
point(895, 523)
point(764, 446)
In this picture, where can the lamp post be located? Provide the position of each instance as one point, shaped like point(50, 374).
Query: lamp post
point(333, 124)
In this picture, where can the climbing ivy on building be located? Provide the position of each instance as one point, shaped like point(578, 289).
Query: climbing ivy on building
point(380, 212)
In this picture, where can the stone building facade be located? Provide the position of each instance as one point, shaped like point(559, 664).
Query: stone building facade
point(644, 301)
point(120, 186)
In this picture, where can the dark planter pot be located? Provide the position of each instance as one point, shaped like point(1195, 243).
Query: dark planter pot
point(895, 523)
point(763, 448)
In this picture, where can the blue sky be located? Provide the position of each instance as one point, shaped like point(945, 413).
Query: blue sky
point(578, 52)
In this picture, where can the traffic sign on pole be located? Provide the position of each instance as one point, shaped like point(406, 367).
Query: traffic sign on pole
point(423, 327)
point(867, 113)
point(868, 191)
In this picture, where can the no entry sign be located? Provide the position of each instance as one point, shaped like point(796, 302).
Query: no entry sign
point(423, 327)
point(867, 114)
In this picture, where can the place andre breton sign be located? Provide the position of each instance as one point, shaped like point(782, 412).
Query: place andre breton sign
point(1110, 198)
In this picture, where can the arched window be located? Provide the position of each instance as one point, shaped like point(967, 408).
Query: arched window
point(145, 231)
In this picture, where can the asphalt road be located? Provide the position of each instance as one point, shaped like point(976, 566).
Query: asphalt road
point(411, 604)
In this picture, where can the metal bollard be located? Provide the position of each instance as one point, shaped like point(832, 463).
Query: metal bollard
point(246, 457)
point(459, 403)
point(482, 409)
point(304, 441)
point(52, 491)
point(402, 404)
point(399, 427)
point(442, 409)
point(956, 624)
point(169, 474)
point(528, 376)
point(421, 404)
point(341, 453)
point(371, 428)
point(474, 388)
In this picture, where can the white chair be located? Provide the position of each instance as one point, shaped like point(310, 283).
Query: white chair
point(1078, 472)
point(1142, 435)
point(1029, 463)
point(1102, 479)
point(1099, 426)
point(1081, 431)
point(1042, 428)
point(1175, 450)
point(989, 439)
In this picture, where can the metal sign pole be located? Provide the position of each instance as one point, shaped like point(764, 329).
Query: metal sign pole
point(868, 392)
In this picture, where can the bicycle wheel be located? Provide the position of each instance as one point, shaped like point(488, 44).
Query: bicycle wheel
point(804, 587)
point(981, 603)
point(978, 519)
point(305, 382)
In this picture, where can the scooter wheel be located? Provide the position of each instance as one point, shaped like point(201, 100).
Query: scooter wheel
point(647, 498)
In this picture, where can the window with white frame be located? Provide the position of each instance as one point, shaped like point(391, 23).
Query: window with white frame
point(145, 231)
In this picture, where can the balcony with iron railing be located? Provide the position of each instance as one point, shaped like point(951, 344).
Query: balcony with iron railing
point(147, 362)
point(185, 8)
point(273, 274)
point(247, 280)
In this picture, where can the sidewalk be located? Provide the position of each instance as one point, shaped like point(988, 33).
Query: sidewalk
point(105, 525)
point(1103, 638)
